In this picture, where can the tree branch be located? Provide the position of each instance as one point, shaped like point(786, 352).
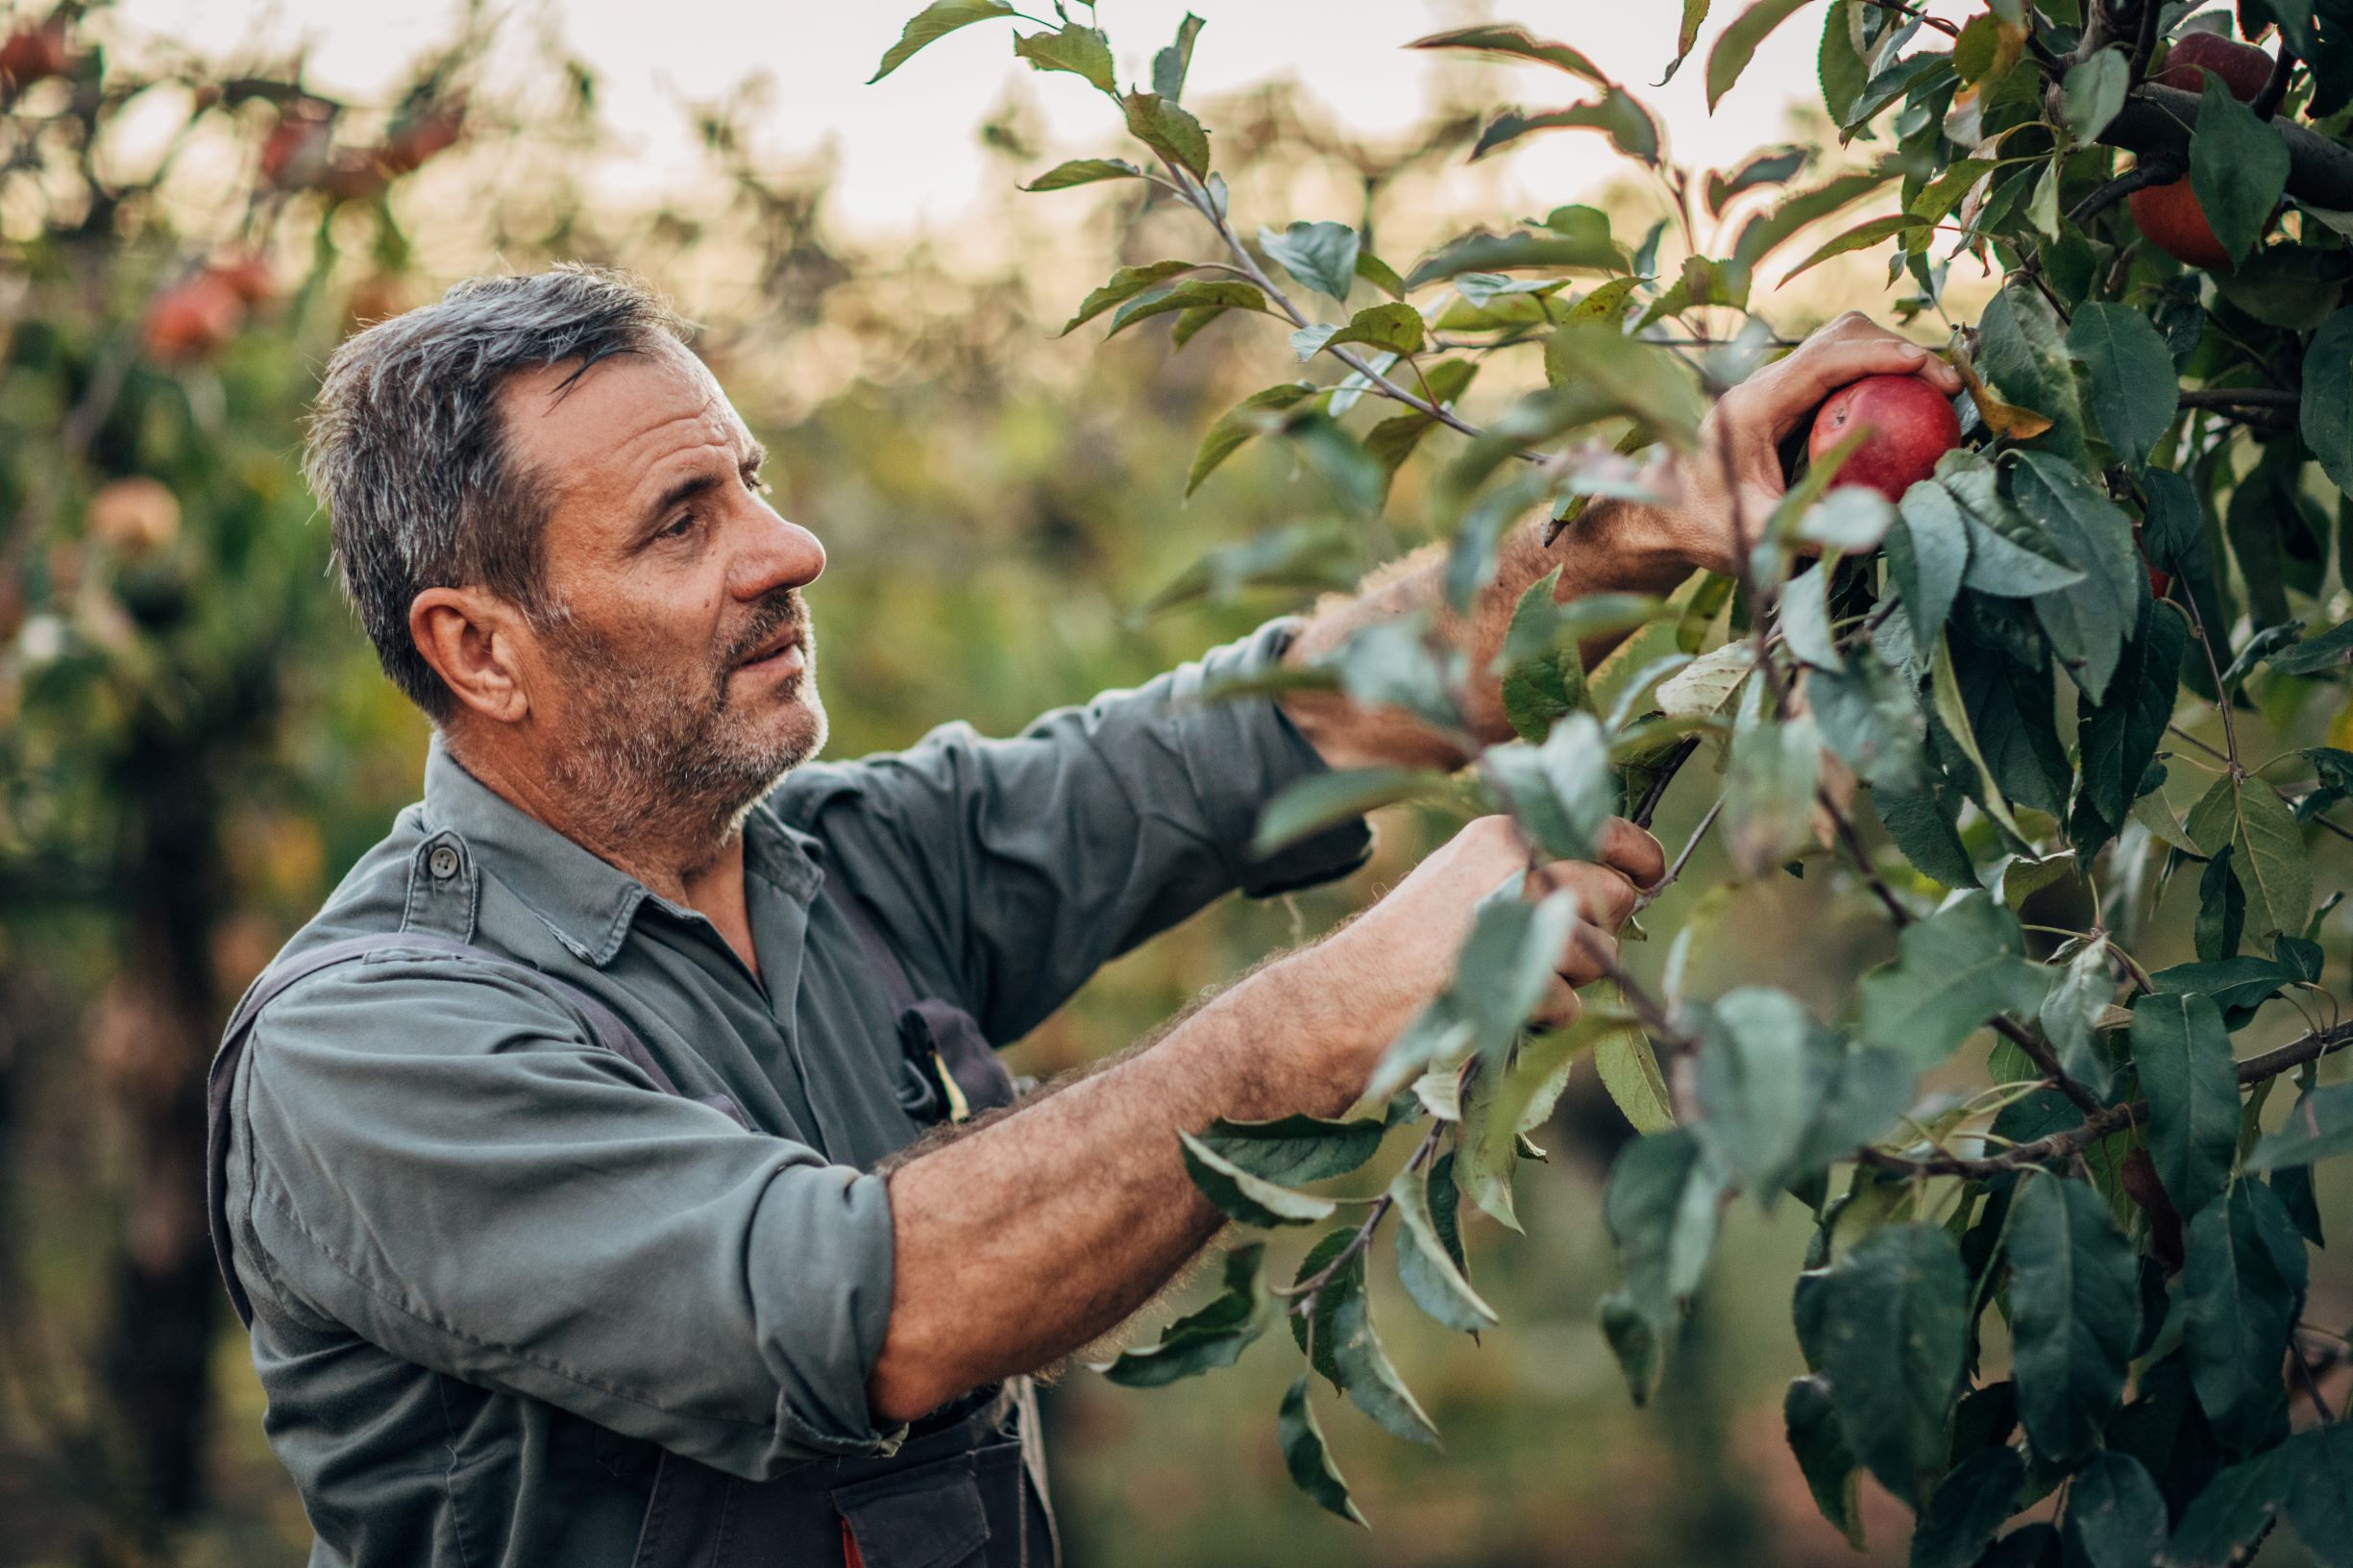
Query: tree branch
point(2159, 119)
point(2275, 87)
point(2237, 397)
point(2156, 169)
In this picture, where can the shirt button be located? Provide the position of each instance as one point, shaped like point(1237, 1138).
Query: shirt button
point(442, 862)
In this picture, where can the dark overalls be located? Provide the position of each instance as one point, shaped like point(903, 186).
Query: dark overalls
point(967, 1486)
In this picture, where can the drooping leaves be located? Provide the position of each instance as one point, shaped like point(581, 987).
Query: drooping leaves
point(1954, 970)
point(2243, 1285)
point(2238, 169)
point(1661, 1209)
point(2184, 1059)
point(1212, 1337)
point(1307, 1456)
point(1295, 1150)
point(1425, 1266)
point(2319, 1126)
point(1891, 1330)
point(2128, 374)
point(1248, 1198)
point(2074, 1311)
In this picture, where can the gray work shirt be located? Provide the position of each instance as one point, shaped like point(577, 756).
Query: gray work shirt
point(492, 1271)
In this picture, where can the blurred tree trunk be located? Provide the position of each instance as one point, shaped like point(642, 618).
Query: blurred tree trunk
point(152, 1041)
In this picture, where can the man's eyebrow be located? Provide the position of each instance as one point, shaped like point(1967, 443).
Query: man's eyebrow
point(755, 454)
point(683, 490)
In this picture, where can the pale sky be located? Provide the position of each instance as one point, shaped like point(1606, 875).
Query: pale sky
point(906, 148)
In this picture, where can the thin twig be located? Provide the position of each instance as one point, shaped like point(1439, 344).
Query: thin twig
point(2230, 733)
point(1304, 1293)
point(1651, 895)
point(2235, 396)
point(2156, 169)
point(2275, 86)
point(1648, 807)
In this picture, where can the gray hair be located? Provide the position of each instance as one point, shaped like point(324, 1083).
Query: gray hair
point(411, 456)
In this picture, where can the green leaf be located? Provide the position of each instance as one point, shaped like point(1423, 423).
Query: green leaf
point(1967, 1508)
point(1564, 791)
point(2320, 1466)
point(1252, 416)
point(2008, 556)
point(1952, 712)
point(1501, 972)
point(2239, 986)
point(1661, 1207)
point(1894, 1317)
point(1393, 326)
point(1366, 1376)
point(2230, 1514)
point(1308, 1459)
point(2089, 620)
point(1292, 1151)
point(2267, 851)
point(1479, 251)
point(1928, 554)
point(1381, 274)
point(2184, 1059)
point(1322, 255)
point(2238, 169)
point(2071, 1017)
point(1312, 1330)
point(1171, 65)
point(1764, 1066)
point(1695, 11)
point(1767, 166)
point(1823, 1456)
point(1084, 171)
point(2014, 714)
point(1241, 1196)
point(1124, 286)
point(1311, 805)
point(1839, 64)
point(2241, 1283)
point(1598, 371)
point(2325, 414)
point(1806, 618)
point(1517, 43)
point(1921, 820)
point(1761, 236)
point(2320, 1127)
point(1082, 51)
point(933, 23)
point(1430, 1276)
point(1629, 1069)
point(1737, 44)
point(1769, 789)
point(2116, 1516)
point(2120, 735)
point(1953, 971)
point(1186, 294)
point(2022, 356)
point(1215, 1336)
point(1862, 237)
point(2127, 370)
point(1616, 114)
point(2095, 91)
point(2074, 1313)
point(1868, 717)
point(2331, 649)
point(1169, 131)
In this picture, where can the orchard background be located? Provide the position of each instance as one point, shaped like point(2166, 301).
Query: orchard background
point(195, 740)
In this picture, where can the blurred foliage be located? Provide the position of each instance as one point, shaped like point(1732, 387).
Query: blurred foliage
point(194, 742)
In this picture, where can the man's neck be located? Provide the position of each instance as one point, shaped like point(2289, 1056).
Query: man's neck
point(702, 870)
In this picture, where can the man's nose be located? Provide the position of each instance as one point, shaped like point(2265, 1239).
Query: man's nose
point(783, 554)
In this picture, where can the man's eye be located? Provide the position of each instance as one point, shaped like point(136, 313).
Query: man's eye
point(679, 529)
point(752, 483)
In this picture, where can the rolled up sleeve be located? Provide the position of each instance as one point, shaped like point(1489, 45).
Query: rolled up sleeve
point(452, 1169)
point(1012, 869)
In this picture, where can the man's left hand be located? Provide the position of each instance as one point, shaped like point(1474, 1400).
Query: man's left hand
point(1731, 483)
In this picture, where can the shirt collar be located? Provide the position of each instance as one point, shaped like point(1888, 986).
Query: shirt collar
point(585, 900)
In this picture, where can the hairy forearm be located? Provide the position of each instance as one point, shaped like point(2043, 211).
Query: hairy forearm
point(1036, 1234)
point(1616, 547)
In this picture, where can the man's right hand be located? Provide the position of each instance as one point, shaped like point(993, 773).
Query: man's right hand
point(1403, 947)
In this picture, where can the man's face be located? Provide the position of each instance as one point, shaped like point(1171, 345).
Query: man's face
point(676, 679)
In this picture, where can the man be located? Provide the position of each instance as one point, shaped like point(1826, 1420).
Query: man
point(556, 1173)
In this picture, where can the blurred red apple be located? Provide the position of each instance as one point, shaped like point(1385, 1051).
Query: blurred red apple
point(2243, 67)
point(33, 54)
point(137, 516)
point(191, 319)
point(1911, 425)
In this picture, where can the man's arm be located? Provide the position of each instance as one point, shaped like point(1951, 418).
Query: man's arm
point(1035, 1235)
point(1621, 547)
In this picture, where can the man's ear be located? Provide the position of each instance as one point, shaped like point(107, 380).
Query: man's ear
point(472, 639)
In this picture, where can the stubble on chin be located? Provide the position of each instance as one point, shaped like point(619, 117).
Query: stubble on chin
point(674, 768)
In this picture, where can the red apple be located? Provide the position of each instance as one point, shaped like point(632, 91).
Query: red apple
point(2243, 67)
point(1911, 425)
point(34, 53)
point(2170, 214)
point(191, 319)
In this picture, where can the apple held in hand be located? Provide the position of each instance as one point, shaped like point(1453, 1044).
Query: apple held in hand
point(2170, 214)
point(1911, 425)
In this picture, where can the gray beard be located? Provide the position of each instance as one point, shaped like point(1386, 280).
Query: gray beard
point(669, 775)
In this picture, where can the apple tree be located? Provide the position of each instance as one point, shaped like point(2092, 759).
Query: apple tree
point(2045, 671)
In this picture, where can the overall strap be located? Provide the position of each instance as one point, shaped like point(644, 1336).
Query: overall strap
point(953, 1067)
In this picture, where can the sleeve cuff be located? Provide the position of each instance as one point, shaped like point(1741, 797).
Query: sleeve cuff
point(1289, 757)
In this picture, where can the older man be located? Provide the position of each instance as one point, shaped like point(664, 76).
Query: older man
point(553, 1159)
